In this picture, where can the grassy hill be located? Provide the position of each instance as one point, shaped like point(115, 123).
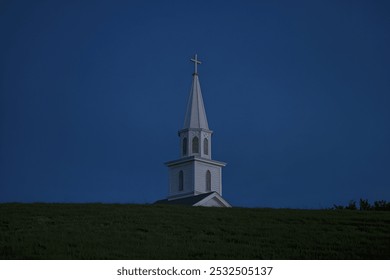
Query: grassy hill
point(111, 231)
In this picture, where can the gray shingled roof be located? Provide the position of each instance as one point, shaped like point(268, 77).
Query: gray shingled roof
point(185, 201)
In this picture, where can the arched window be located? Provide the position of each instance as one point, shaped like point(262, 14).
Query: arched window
point(184, 146)
point(206, 146)
point(208, 181)
point(195, 145)
point(181, 180)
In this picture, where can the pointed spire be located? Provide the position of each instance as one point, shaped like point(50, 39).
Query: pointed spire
point(196, 114)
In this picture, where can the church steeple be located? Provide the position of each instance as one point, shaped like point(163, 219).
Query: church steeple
point(195, 137)
point(195, 178)
point(196, 114)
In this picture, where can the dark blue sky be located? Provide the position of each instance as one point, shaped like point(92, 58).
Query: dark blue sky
point(92, 94)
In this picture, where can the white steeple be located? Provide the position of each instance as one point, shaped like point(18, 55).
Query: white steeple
point(195, 137)
point(195, 176)
point(196, 114)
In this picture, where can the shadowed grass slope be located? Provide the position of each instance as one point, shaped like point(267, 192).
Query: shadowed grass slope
point(113, 231)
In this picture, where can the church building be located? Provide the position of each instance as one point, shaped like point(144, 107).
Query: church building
point(195, 179)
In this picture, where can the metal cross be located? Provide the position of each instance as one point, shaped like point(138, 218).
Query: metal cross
point(196, 62)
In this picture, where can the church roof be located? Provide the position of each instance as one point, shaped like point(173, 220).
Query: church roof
point(197, 200)
point(191, 200)
point(196, 114)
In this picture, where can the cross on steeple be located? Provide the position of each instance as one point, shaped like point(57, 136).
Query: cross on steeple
point(196, 62)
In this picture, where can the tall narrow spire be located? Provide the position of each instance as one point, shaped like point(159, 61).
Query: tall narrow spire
point(196, 114)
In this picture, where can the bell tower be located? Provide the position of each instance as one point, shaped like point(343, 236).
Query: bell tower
point(195, 173)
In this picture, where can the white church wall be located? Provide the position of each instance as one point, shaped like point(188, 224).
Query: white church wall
point(200, 177)
point(188, 179)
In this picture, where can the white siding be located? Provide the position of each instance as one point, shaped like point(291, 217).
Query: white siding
point(188, 173)
point(189, 135)
point(200, 177)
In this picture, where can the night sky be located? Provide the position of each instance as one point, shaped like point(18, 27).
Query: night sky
point(92, 94)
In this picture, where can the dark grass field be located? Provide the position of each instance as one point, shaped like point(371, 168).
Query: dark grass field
point(113, 231)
